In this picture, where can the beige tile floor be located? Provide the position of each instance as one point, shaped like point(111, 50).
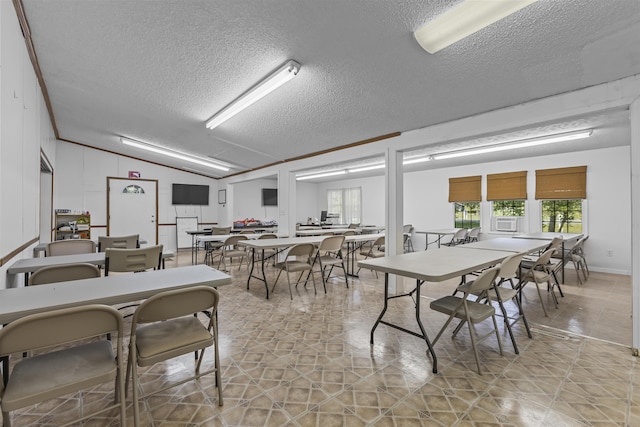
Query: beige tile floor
point(308, 362)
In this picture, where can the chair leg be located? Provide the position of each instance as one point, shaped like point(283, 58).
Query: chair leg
point(508, 325)
point(324, 281)
point(289, 282)
point(541, 301)
point(472, 333)
point(276, 282)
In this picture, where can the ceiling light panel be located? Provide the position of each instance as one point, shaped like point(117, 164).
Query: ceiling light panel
point(276, 79)
point(171, 153)
point(463, 20)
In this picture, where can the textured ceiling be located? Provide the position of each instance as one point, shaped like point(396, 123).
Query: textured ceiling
point(155, 71)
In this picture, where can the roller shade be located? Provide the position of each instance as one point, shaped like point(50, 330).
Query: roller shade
point(562, 183)
point(507, 186)
point(465, 189)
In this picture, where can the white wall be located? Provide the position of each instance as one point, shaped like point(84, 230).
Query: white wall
point(24, 129)
point(81, 184)
point(247, 200)
point(373, 197)
point(308, 203)
point(608, 213)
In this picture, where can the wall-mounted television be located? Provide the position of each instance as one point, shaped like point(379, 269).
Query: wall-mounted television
point(269, 197)
point(190, 194)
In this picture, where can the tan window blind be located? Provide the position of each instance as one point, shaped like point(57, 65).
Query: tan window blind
point(465, 189)
point(562, 183)
point(507, 186)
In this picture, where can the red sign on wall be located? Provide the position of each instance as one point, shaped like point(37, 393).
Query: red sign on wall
point(133, 174)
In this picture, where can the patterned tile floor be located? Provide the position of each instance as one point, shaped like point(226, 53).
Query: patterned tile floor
point(308, 362)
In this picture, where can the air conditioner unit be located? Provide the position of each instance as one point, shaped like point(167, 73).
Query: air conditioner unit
point(506, 223)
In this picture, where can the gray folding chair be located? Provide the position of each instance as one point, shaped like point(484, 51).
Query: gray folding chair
point(329, 254)
point(471, 312)
point(164, 327)
point(63, 273)
point(66, 360)
point(70, 247)
point(120, 242)
point(297, 260)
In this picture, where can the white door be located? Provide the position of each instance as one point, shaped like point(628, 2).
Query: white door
point(132, 208)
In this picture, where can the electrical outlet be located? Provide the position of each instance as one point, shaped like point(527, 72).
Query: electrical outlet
point(609, 252)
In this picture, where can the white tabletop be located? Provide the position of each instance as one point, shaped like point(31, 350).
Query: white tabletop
point(544, 235)
point(290, 241)
point(508, 244)
point(435, 266)
point(440, 231)
point(223, 237)
point(320, 231)
point(18, 302)
point(27, 265)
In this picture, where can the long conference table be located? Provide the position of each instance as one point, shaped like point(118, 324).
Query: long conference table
point(29, 265)
point(438, 266)
point(439, 233)
point(283, 243)
point(117, 289)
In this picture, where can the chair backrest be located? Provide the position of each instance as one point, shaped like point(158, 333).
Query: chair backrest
point(232, 241)
point(460, 234)
point(59, 327)
point(120, 242)
point(407, 228)
point(302, 249)
point(177, 303)
point(484, 281)
point(63, 273)
point(132, 260)
point(217, 231)
point(378, 242)
point(70, 247)
point(510, 265)
point(268, 236)
point(331, 244)
point(556, 243)
point(543, 259)
point(474, 232)
point(354, 225)
point(349, 233)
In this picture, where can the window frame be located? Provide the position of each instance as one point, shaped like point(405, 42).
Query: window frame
point(472, 222)
point(343, 201)
point(584, 216)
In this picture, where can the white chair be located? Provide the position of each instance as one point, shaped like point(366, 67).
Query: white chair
point(376, 250)
point(508, 270)
point(471, 312)
point(407, 231)
point(69, 358)
point(541, 272)
point(473, 235)
point(459, 238)
point(63, 273)
point(70, 247)
point(329, 254)
point(230, 250)
point(297, 260)
point(132, 260)
point(120, 242)
point(164, 327)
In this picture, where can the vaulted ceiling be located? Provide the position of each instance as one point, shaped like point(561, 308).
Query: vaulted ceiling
point(155, 71)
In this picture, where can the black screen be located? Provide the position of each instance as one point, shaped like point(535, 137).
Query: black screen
point(187, 194)
point(269, 197)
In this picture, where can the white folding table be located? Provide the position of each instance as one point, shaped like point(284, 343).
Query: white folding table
point(440, 233)
point(428, 266)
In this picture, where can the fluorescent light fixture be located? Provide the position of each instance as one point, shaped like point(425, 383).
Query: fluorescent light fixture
point(517, 144)
point(417, 160)
point(171, 153)
point(463, 20)
point(282, 75)
point(367, 168)
point(320, 175)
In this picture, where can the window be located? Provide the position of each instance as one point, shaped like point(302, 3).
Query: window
point(346, 204)
point(508, 208)
point(562, 216)
point(467, 214)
